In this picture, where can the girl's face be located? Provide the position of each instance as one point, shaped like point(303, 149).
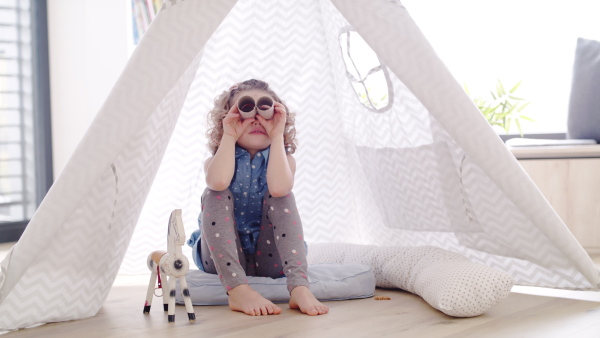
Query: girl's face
point(255, 137)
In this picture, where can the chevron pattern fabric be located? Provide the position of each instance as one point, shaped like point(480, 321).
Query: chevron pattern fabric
point(64, 264)
point(517, 217)
point(427, 171)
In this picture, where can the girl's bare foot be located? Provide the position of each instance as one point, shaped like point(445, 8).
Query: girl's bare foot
point(301, 298)
point(245, 299)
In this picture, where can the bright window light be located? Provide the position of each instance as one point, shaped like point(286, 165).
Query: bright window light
point(482, 41)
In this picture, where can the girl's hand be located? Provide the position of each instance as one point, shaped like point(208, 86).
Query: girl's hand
point(276, 125)
point(233, 124)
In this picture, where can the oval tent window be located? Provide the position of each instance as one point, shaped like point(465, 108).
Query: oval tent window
point(367, 74)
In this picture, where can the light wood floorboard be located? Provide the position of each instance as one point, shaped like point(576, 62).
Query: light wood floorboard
point(527, 312)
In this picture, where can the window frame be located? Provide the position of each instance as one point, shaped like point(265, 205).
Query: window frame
point(11, 231)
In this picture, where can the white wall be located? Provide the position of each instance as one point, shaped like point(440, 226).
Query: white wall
point(88, 47)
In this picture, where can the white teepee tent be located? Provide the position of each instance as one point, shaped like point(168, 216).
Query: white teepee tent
point(425, 170)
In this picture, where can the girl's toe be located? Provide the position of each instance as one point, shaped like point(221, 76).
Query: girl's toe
point(264, 311)
point(312, 311)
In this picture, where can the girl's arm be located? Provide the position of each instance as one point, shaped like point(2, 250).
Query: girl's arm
point(282, 167)
point(220, 168)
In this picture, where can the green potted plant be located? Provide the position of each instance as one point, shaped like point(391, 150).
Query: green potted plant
point(503, 108)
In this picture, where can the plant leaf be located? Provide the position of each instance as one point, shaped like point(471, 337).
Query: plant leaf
point(526, 118)
point(519, 127)
point(523, 106)
point(501, 91)
point(507, 122)
point(512, 90)
point(503, 108)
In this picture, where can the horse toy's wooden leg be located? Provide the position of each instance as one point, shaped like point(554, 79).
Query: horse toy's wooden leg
point(153, 263)
point(165, 294)
point(150, 292)
point(186, 298)
point(171, 298)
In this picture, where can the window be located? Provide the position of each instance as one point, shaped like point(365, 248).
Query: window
point(368, 76)
point(512, 40)
point(25, 167)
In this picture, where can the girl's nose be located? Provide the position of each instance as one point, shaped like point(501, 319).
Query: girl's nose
point(255, 122)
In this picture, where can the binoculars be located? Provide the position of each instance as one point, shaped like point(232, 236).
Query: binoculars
point(248, 107)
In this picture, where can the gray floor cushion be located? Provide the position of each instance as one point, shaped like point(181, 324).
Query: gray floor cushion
point(327, 282)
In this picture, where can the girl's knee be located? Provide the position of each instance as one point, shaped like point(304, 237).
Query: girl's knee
point(212, 196)
point(209, 191)
point(289, 197)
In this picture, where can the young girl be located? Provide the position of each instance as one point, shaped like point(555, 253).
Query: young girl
point(249, 222)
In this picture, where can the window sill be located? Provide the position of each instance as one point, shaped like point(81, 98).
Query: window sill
point(556, 152)
point(552, 136)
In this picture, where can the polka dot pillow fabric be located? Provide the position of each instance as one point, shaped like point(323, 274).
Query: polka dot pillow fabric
point(446, 280)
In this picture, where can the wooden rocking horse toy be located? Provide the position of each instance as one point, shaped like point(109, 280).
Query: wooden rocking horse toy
point(173, 265)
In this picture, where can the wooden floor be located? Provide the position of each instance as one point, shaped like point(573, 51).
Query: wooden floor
point(527, 312)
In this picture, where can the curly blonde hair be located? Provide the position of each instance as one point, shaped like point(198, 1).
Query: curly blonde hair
point(223, 104)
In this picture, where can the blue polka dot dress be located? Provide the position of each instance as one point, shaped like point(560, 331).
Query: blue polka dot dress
point(248, 186)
